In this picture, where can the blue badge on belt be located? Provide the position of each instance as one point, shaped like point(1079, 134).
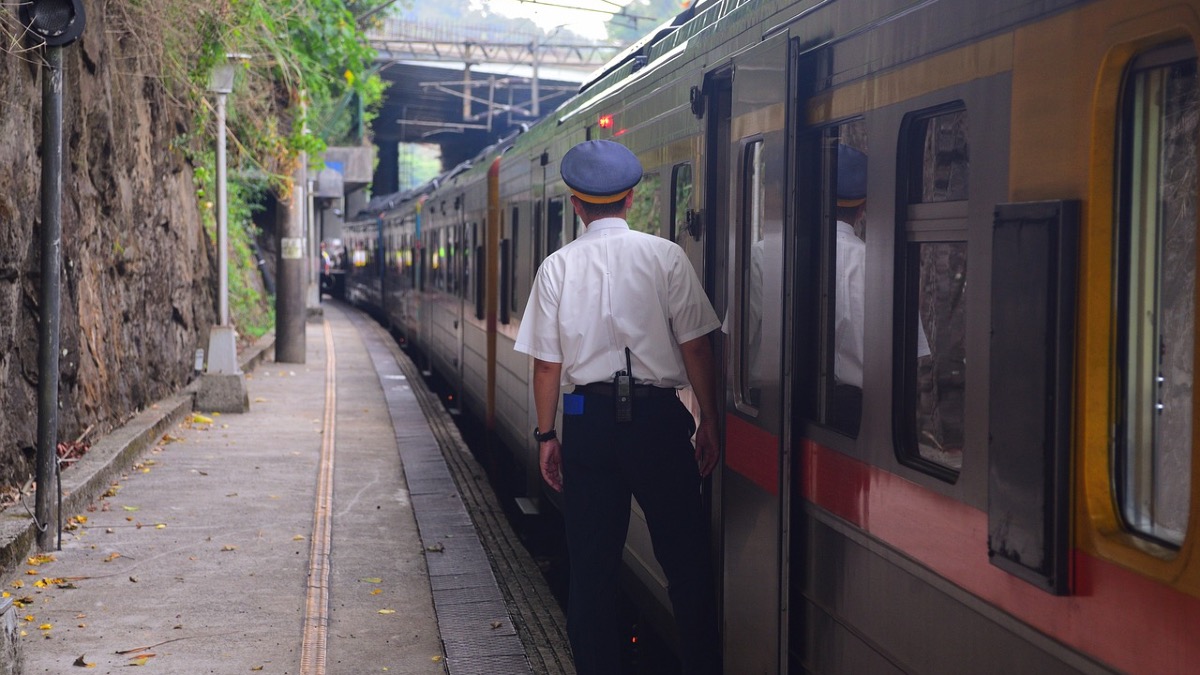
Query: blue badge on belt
point(572, 404)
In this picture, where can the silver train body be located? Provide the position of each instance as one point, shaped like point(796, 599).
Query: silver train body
point(964, 518)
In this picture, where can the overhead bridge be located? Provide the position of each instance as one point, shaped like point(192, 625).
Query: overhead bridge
point(464, 87)
point(399, 40)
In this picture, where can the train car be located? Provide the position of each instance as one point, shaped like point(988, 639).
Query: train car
point(958, 406)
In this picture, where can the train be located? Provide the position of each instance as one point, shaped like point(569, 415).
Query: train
point(1008, 481)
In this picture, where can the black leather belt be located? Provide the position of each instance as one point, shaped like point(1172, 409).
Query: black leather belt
point(608, 389)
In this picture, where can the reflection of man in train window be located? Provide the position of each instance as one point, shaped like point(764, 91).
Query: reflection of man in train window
point(845, 409)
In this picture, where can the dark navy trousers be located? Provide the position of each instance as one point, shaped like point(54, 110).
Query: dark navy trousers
point(652, 459)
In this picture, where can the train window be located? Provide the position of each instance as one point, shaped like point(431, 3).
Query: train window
point(681, 199)
point(844, 169)
point(753, 211)
point(941, 164)
point(554, 226)
point(931, 308)
point(644, 213)
point(1156, 293)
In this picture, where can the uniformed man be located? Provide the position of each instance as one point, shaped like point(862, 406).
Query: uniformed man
point(621, 316)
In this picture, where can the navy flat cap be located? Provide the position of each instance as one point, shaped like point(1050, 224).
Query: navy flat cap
point(851, 176)
point(600, 172)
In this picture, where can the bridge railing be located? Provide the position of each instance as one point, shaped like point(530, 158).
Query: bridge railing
point(401, 40)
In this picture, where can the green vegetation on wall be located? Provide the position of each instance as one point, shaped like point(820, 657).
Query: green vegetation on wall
point(305, 80)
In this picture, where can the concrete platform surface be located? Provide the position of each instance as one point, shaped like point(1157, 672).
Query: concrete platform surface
point(195, 557)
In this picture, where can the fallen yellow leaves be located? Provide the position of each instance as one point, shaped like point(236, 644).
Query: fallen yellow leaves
point(41, 559)
point(387, 611)
point(82, 662)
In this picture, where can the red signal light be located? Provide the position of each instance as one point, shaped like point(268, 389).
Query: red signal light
point(605, 121)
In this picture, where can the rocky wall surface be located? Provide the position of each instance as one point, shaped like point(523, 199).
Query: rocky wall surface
point(139, 271)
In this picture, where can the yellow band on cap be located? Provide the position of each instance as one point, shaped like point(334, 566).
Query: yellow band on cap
point(593, 199)
point(851, 203)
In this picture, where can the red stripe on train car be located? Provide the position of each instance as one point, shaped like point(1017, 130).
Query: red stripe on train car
point(1115, 615)
point(752, 452)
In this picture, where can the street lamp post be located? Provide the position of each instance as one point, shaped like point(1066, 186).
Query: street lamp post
point(222, 84)
point(223, 387)
point(52, 25)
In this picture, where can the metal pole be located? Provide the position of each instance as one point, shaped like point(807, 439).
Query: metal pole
point(289, 298)
point(534, 95)
point(50, 301)
point(222, 215)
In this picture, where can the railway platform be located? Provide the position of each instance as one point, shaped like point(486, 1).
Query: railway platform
point(340, 526)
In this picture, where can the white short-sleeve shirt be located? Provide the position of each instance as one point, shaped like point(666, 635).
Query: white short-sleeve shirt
point(613, 288)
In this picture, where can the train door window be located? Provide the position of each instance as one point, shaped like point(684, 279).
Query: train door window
point(515, 253)
point(681, 199)
point(647, 205)
point(406, 262)
point(477, 272)
point(1156, 293)
point(452, 260)
point(419, 249)
point(467, 257)
point(931, 293)
point(439, 254)
point(372, 244)
point(750, 333)
point(843, 270)
point(538, 236)
point(461, 256)
point(554, 226)
point(448, 250)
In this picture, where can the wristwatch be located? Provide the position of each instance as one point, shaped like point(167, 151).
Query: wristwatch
point(541, 437)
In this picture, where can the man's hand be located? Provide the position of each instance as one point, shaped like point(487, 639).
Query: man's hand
point(708, 447)
point(550, 459)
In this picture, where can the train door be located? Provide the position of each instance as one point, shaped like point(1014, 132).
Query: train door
point(537, 185)
point(747, 110)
